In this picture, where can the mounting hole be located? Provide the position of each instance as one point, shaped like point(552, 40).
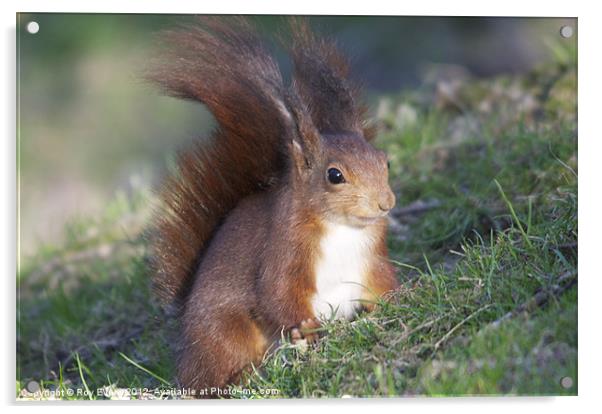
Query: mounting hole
point(33, 27)
point(566, 31)
point(566, 382)
point(33, 386)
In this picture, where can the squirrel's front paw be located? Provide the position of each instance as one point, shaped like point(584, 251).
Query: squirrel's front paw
point(306, 331)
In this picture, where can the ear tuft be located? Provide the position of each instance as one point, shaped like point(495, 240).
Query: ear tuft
point(321, 73)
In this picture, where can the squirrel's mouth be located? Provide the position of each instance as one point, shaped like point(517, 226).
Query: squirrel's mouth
point(367, 220)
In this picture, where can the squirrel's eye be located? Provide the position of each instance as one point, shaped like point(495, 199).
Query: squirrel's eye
point(335, 176)
point(388, 165)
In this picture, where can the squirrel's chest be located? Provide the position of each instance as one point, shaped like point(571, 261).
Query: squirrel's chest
point(340, 270)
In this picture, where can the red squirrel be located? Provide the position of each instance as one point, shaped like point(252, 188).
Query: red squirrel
point(279, 219)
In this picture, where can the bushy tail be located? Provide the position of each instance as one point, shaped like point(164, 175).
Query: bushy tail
point(221, 63)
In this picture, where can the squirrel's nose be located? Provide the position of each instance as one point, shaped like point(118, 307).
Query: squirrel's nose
point(386, 200)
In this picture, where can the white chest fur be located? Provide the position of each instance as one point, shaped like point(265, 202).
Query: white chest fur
point(340, 271)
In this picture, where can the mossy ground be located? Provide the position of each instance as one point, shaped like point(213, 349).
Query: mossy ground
point(484, 237)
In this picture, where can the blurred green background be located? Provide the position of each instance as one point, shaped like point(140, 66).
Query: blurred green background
point(89, 127)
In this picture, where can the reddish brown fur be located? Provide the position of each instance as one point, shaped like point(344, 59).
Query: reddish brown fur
point(238, 239)
point(381, 275)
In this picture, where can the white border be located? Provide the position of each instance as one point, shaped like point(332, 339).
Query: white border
point(377, 7)
point(590, 204)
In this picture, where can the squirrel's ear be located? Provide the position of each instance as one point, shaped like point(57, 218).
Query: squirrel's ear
point(305, 147)
point(303, 158)
point(321, 73)
point(300, 161)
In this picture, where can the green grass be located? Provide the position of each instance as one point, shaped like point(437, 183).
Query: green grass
point(488, 303)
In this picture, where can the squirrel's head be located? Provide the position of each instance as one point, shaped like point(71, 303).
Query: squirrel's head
point(340, 174)
point(345, 178)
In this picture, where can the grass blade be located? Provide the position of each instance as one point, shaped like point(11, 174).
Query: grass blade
point(149, 372)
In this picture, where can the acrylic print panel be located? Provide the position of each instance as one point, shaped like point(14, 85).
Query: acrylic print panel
point(280, 232)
